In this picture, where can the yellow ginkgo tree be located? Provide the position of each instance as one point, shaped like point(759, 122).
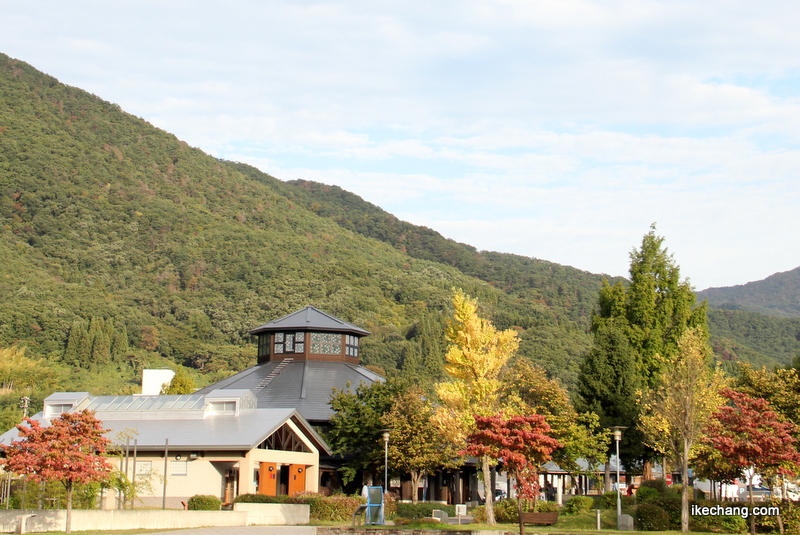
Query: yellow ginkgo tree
point(677, 411)
point(474, 360)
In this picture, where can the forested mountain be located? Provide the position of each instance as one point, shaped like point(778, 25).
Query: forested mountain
point(777, 295)
point(123, 247)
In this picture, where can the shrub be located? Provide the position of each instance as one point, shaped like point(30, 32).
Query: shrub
point(423, 509)
point(717, 523)
point(505, 511)
point(260, 498)
point(545, 507)
point(578, 504)
point(651, 517)
point(672, 505)
point(204, 502)
point(336, 508)
point(660, 485)
point(609, 500)
point(479, 514)
point(647, 495)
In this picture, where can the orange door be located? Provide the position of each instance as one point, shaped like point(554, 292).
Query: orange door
point(297, 478)
point(268, 479)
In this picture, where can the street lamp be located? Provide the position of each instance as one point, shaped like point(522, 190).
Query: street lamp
point(386, 459)
point(617, 437)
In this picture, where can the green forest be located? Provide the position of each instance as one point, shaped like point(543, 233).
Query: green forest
point(124, 248)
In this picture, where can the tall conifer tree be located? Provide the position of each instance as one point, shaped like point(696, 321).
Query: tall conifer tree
point(637, 329)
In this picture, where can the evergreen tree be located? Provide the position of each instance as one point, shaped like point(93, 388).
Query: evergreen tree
point(119, 342)
point(655, 309)
point(608, 384)
point(101, 345)
point(637, 329)
point(79, 347)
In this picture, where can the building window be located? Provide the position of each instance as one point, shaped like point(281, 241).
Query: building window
point(263, 345)
point(326, 343)
point(144, 468)
point(289, 343)
point(352, 346)
point(178, 468)
point(57, 409)
point(222, 407)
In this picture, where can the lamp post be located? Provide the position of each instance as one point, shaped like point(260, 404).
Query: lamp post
point(617, 437)
point(386, 459)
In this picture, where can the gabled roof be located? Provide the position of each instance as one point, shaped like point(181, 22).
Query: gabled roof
point(180, 421)
point(310, 319)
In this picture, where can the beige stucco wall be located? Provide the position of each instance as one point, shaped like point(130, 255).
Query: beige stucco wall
point(206, 473)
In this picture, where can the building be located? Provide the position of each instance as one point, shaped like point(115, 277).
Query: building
point(302, 358)
point(217, 443)
point(255, 431)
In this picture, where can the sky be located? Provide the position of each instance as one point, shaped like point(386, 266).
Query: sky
point(556, 129)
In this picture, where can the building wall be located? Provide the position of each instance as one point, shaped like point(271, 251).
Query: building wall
point(206, 474)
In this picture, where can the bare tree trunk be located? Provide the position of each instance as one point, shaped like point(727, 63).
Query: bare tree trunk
point(488, 491)
point(416, 477)
point(685, 488)
point(607, 481)
point(69, 506)
point(750, 499)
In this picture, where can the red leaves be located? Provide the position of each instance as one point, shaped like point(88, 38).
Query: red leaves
point(69, 450)
point(747, 433)
point(521, 442)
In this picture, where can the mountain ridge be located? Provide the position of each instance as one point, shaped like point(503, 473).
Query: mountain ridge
point(104, 215)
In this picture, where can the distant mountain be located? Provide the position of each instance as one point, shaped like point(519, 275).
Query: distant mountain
point(778, 295)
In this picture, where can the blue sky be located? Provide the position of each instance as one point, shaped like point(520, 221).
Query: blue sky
point(558, 129)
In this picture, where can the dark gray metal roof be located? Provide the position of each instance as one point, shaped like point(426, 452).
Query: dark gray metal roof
point(310, 319)
point(305, 385)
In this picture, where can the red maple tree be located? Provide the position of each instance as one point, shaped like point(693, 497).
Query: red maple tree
point(751, 436)
point(523, 445)
point(69, 450)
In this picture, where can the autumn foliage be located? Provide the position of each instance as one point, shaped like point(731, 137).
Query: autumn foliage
point(523, 444)
point(69, 450)
point(750, 435)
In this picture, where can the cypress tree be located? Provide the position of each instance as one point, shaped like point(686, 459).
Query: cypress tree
point(100, 344)
point(75, 352)
point(119, 343)
point(636, 329)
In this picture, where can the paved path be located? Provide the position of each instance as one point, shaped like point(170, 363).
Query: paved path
point(244, 530)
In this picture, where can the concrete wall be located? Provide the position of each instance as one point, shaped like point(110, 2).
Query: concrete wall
point(281, 514)
point(82, 520)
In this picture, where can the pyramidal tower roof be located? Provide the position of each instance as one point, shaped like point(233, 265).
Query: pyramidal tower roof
point(310, 319)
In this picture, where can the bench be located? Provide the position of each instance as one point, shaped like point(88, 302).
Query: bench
point(539, 518)
point(361, 511)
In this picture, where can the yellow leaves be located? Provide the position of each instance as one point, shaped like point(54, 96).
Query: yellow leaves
point(676, 410)
point(474, 360)
point(478, 350)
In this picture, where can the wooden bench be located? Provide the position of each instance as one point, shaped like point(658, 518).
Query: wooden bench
point(540, 518)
